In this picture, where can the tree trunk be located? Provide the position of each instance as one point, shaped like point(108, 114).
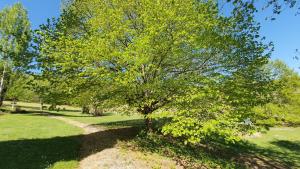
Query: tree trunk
point(52, 107)
point(2, 85)
point(148, 122)
point(146, 110)
point(13, 105)
point(41, 104)
point(85, 110)
point(95, 111)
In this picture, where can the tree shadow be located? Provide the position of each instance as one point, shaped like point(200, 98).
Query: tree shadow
point(81, 114)
point(45, 113)
point(52, 113)
point(38, 153)
point(99, 141)
point(289, 145)
point(239, 155)
point(42, 153)
point(156, 123)
point(255, 156)
point(123, 123)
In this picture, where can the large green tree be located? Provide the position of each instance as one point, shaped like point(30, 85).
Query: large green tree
point(170, 55)
point(14, 41)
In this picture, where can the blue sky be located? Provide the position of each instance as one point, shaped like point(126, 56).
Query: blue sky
point(38, 10)
point(284, 31)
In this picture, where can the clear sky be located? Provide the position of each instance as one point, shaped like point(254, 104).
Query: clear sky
point(38, 10)
point(284, 31)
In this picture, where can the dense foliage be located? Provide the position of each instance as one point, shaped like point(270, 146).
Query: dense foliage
point(15, 35)
point(182, 60)
point(284, 107)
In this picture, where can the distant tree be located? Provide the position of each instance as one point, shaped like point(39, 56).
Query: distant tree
point(19, 88)
point(284, 105)
point(14, 41)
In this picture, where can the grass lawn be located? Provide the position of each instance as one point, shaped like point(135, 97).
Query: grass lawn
point(110, 120)
point(32, 141)
point(36, 106)
point(281, 145)
point(28, 141)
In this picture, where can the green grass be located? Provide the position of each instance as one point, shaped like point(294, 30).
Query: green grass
point(36, 106)
point(29, 141)
point(281, 144)
point(34, 141)
point(110, 120)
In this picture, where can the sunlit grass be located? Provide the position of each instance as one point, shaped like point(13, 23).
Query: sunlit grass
point(111, 120)
point(37, 142)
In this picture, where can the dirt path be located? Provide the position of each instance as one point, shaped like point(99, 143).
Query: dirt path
point(86, 128)
point(99, 149)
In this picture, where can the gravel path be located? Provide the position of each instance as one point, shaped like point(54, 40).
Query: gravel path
point(99, 150)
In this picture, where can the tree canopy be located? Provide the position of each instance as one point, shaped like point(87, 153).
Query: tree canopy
point(203, 69)
point(15, 36)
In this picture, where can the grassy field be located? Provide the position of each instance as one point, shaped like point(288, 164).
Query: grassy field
point(35, 141)
point(36, 106)
point(32, 140)
point(281, 145)
point(110, 120)
point(278, 145)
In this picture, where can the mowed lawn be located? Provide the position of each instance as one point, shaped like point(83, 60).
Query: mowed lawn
point(35, 141)
point(109, 120)
point(280, 144)
point(31, 141)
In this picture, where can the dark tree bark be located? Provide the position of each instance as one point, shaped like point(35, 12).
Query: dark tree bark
point(85, 110)
point(95, 111)
point(148, 123)
point(146, 110)
point(2, 87)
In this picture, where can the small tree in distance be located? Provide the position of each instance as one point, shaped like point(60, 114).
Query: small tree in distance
point(15, 36)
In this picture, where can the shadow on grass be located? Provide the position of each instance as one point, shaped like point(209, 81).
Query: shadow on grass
point(284, 155)
point(42, 153)
point(123, 123)
point(289, 145)
point(44, 113)
point(52, 113)
point(140, 123)
point(244, 155)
